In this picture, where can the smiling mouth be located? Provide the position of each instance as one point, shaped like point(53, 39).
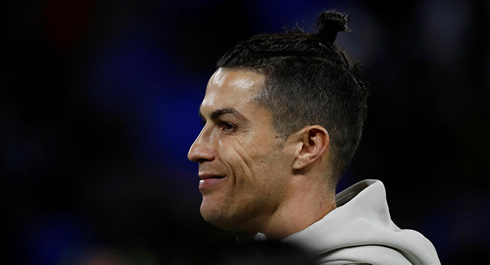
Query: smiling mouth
point(204, 176)
point(213, 177)
point(210, 182)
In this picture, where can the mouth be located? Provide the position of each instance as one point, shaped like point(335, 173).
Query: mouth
point(204, 176)
point(210, 181)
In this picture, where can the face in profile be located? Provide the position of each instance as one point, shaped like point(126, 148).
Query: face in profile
point(243, 165)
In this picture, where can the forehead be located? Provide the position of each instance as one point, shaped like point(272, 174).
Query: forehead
point(231, 88)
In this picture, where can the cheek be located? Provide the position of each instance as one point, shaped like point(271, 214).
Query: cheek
point(250, 163)
point(238, 159)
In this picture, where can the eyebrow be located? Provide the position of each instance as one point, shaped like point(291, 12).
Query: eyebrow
point(220, 112)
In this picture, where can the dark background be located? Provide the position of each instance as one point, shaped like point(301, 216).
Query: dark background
point(99, 101)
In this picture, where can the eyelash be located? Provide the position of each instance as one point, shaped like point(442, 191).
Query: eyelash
point(224, 126)
point(227, 127)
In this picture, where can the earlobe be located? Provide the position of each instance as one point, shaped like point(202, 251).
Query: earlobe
point(313, 143)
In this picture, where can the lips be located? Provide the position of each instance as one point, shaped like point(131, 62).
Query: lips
point(204, 176)
point(210, 181)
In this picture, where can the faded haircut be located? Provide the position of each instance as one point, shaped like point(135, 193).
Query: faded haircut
point(308, 81)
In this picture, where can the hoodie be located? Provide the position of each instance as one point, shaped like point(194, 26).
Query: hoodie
point(360, 231)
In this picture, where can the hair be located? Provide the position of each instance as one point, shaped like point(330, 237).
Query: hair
point(308, 81)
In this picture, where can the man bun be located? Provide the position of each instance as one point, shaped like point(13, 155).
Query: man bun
point(310, 70)
point(329, 23)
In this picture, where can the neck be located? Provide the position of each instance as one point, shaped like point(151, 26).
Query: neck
point(307, 204)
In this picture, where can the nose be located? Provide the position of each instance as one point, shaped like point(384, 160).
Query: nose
point(201, 150)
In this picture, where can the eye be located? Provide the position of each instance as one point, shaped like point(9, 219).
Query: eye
point(228, 127)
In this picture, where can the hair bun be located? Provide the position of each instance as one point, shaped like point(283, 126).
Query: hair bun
point(329, 23)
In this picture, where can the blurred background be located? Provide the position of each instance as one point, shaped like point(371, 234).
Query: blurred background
point(99, 102)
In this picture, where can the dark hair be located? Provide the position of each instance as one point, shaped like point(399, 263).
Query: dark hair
point(308, 81)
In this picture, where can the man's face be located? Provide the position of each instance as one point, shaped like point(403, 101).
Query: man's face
point(242, 164)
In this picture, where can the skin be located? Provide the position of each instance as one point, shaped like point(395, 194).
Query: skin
point(251, 179)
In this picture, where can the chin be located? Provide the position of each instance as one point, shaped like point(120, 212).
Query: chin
point(214, 213)
point(210, 210)
point(218, 215)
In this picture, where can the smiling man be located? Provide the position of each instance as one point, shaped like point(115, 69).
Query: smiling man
point(283, 116)
point(245, 181)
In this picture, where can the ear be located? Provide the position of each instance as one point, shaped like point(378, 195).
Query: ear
point(313, 143)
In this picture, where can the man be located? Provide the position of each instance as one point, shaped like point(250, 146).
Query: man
point(283, 117)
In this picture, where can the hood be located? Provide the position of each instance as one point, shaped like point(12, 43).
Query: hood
point(360, 230)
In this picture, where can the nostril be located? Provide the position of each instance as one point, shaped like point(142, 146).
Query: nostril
point(200, 154)
point(201, 160)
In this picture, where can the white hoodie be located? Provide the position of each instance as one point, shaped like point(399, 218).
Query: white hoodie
point(360, 231)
